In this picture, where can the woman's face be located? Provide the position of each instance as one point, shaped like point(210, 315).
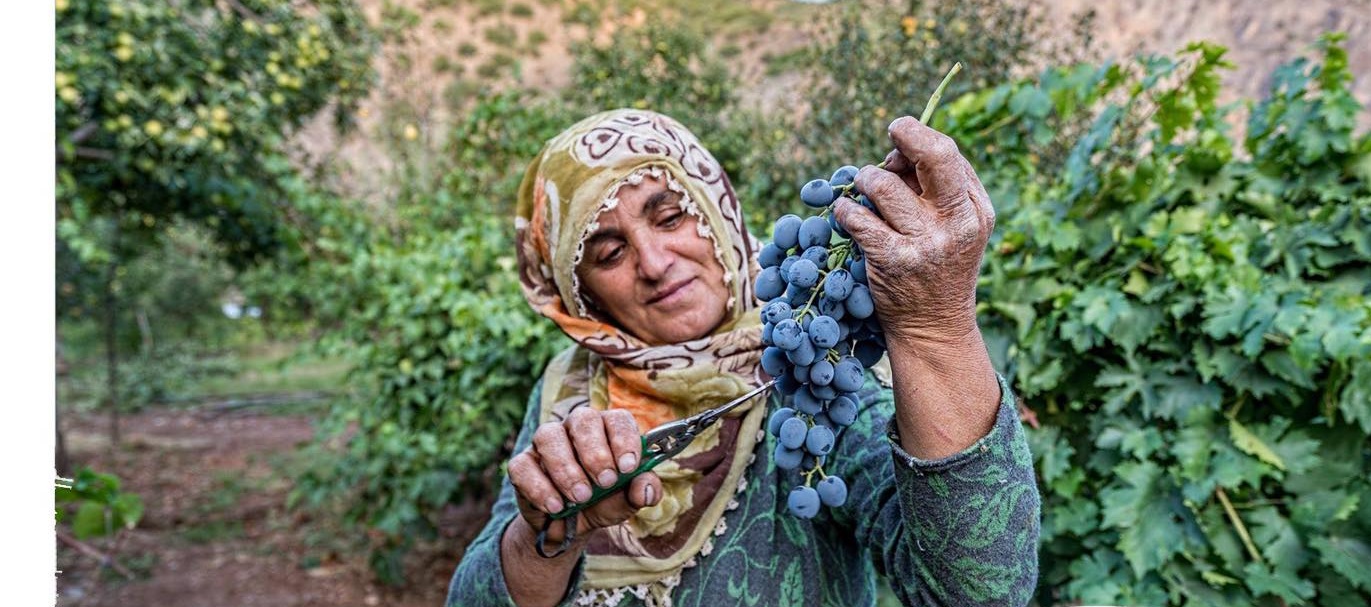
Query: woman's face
point(648, 268)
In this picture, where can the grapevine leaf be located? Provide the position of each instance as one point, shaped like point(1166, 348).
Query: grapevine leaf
point(1248, 442)
point(1348, 556)
point(1149, 535)
point(1355, 400)
point(1287, 585)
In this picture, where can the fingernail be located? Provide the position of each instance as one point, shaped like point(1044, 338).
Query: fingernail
point(581, 492)
point(607, 478)
point(553, 505)
point(627, 462)
point(648, 494)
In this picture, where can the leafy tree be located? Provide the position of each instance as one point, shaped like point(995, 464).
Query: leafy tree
point(179, 112)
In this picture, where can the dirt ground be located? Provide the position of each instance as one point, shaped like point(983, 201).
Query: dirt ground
point(215, 530)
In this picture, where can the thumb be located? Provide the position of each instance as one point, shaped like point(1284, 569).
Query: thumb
point(644, 491)
point(865, 227)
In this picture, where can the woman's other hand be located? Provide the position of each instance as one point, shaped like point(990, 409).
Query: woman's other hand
point(567, 459)
point(923, 257)
point(924, 250)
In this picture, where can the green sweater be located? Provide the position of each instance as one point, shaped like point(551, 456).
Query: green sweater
point(957, 531)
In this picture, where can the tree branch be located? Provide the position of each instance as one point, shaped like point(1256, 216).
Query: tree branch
point(90, 551)
point(243, 11)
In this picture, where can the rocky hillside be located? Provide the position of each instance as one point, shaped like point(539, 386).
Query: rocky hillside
point(438, 52)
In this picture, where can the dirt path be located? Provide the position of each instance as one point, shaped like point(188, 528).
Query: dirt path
point(215, 530)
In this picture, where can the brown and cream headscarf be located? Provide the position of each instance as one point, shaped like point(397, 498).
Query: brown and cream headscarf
point(574, 179)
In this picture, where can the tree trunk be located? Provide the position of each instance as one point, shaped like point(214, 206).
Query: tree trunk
point(62, 462)
point(111, 341)
point(145, 331)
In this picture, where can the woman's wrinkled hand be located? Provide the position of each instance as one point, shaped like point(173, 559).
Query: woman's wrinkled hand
point(568, 458)
point(924, 250)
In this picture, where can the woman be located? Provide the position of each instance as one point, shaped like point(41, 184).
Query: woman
point(631, 239)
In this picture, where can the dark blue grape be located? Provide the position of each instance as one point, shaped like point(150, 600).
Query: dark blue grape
point(792, 433)
point(817, 254)
point(769, 284)
point(775, 311)
point(845, 175)
point(835, 309)
point(843, 410)
point(868, 352)
point(787, 458)
point(803, 354)
point(806, 320)
point(766, 334)
point(774, 362)
point(817, 193)
point(821, 373)
point(788, 385)
point(821, 419)
point(799, 372)
point(770, 255)
point(797, 297)
point(859, 303)
point(825, 393)
point(778, 417)
point(786, 263)
point(803, 274)
point(824, 332)
point(858, 270)
point(842, 330)
point(803, 502)
point(786, 232)
point(838, 285)
point(805, 401)
point(788, 334)
point(815, 231)
point(819, 440)
point(832, 491)
point(837, 226)
point(847, 374)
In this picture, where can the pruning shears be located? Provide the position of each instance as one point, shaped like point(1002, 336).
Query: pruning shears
point(659, 444)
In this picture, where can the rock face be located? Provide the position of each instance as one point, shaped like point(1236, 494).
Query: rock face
point(453, 47)
point(1259, 35)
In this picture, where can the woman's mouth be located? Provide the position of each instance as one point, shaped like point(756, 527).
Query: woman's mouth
point(670, 292)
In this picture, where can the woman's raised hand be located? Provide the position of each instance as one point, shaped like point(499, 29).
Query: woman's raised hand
point(567, 459)
point(924, 250)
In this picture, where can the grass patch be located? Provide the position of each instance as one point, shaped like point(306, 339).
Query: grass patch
point(500, 36)
point(211, 532)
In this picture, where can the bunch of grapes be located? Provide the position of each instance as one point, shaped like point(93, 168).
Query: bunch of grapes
point(820, 330)
point(821, 333)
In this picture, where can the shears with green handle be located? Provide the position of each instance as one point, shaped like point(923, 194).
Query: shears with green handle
point(659, 444)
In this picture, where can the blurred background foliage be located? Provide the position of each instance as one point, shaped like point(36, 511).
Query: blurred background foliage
point(1177, 287)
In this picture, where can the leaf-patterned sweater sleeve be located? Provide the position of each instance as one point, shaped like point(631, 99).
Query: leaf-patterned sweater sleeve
point(962, 530)
point(479, 580)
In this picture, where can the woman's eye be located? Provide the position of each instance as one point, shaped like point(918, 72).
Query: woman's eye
point(610, 256)
point(672, 220)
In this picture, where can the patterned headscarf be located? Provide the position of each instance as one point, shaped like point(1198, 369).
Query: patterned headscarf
point(574, 179)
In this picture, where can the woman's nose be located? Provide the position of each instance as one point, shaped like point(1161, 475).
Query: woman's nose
point(654, 258)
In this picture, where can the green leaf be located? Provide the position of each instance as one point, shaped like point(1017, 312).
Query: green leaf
point(1251, 445)
point(1348, 556)
point(89, 521)
point(1355, 400)
point(1149, 533)
point(1262, 580)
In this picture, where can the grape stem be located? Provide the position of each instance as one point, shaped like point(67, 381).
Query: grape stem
point(938, 93)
